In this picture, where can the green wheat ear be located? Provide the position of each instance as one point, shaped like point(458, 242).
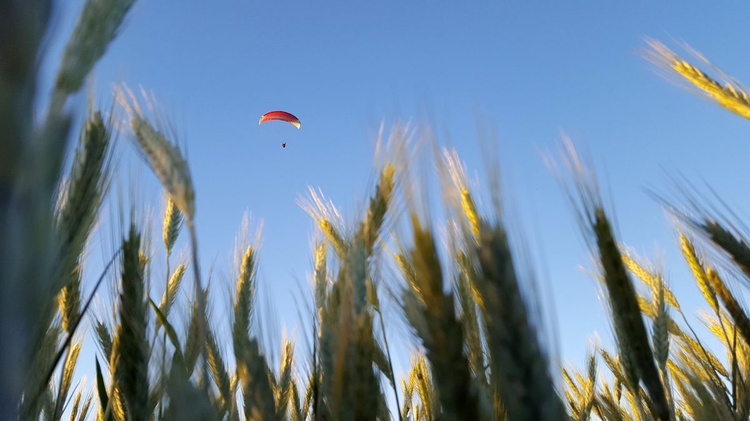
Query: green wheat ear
point(132, 365)
point(432, 314)
point(519, 366)
point(162, 155)
point(97, 26)
point(630, 330)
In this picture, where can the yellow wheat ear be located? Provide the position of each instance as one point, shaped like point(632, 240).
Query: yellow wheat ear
point(731, 95)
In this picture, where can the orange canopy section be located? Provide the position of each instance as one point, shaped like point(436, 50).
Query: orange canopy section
point(281, 116)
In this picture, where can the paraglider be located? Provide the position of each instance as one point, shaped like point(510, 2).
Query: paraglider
point(281, 116)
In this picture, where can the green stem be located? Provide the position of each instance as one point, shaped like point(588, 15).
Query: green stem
point(390, 365)
point(69, 339)
point(200, 298)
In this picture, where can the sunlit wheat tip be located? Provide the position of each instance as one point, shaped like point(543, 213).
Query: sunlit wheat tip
point(650, 278)
point(379, 204)
point(172, 224)
point(460, 182)
point(170, 294)
point(699, 272)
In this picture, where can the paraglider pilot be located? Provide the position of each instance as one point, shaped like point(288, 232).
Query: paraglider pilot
point(283, 144)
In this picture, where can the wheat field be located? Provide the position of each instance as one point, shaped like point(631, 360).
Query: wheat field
point(469, 306)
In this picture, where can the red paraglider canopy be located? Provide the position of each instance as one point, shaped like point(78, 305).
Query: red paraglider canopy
point(281, 116)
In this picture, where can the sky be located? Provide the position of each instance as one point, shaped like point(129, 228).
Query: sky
point(530, 70)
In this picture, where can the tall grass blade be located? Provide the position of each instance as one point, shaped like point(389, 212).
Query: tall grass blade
point(101, 389)
point(171, 333)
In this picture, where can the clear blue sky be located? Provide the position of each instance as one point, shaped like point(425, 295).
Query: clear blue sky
point(531, 69)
